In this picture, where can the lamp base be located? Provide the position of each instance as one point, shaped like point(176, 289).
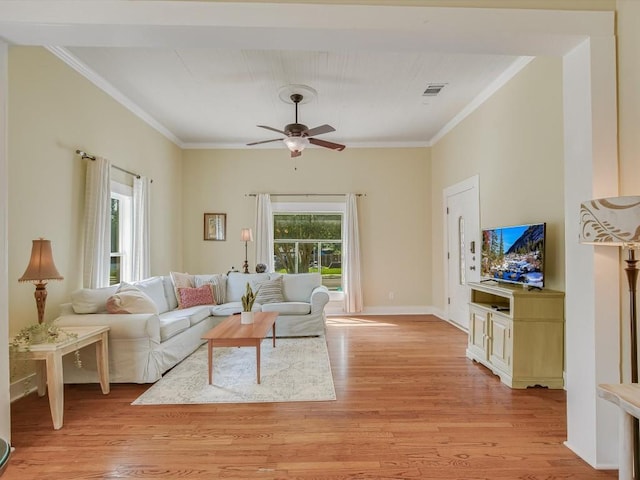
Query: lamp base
point(41, 299)
point(245, 266)
point(632, 279)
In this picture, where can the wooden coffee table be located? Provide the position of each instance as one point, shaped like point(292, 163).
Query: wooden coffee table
point(232, 333)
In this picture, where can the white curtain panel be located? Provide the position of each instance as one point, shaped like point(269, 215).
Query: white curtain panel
point(264, 231)
point(351, 258)
point(97, 222)
point(141, 244)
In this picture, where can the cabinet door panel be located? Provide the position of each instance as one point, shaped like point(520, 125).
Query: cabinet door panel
point(478, 333)
point(500, 343)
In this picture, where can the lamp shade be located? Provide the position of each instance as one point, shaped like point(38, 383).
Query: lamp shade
point(41, 266)
point(296, 144)
point(246, 235)
point(611, 221)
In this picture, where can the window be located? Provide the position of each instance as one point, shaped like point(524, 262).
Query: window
point(121, 233)
point(309, 241)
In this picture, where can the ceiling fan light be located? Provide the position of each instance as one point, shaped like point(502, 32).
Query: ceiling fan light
point(296, 144)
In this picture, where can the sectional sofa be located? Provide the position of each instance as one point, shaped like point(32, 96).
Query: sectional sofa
point(176, 311)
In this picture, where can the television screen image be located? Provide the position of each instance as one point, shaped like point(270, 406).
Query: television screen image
point(514, 254)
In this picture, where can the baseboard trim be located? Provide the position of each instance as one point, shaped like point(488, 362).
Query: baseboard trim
point(597, 466)
point(23, 387)
point(386, 310)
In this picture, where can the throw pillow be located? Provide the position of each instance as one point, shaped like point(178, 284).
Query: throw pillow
point(190, 297)
point(270, 291)
point(218, 284)
point(92, 300)
point(129, 299)
point(181, 280)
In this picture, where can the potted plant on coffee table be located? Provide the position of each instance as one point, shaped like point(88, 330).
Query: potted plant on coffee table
point(246, 316)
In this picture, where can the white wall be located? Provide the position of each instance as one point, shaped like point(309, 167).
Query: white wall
point(593, 288)
point(394, 216)
point(53, 111)
point(514, 143)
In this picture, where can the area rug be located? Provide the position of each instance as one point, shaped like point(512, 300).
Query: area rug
point(296, 370)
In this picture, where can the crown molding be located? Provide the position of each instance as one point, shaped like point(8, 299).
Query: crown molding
point(99, 81)
point(496, 85)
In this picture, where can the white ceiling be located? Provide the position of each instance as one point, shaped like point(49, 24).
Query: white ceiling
point(205, 74)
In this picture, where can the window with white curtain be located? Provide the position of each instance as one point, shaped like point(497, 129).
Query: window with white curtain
point(121, 233)
point(307, 237)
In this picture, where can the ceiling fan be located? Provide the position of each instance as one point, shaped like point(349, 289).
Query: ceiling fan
point(298, 136)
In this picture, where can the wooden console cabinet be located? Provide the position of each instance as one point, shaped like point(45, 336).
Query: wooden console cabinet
point(518, 333)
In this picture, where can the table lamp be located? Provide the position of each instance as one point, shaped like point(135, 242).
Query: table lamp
point(40, 269)
point(246, 235)
point(615, 221)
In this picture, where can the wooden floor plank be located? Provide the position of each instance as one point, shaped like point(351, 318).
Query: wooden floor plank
point(409, 405)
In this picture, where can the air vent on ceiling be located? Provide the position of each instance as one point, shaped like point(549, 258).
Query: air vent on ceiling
point(433, 89)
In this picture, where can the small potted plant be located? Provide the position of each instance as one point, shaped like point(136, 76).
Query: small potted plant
point(246, 316)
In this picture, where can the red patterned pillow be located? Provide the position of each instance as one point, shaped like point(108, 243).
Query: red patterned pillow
point(190, 297)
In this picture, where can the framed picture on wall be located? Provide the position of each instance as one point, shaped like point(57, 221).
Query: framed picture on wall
point(215, 226)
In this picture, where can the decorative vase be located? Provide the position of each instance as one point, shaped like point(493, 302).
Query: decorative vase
point(246, 317)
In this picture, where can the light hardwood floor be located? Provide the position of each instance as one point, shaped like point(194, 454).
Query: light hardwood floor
point(410, 406)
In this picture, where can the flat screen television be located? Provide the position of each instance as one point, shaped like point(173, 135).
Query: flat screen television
point(514, 254)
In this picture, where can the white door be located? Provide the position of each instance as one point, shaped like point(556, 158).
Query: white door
point(463, 247)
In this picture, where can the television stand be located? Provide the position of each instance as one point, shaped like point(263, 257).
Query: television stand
point(517, 333)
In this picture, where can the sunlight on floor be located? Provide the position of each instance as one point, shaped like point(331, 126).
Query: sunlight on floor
point(356, 322)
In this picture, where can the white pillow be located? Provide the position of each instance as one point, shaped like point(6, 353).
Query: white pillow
point(154, 288)
point(92, 300)
point(129, 299)
point(181, 280)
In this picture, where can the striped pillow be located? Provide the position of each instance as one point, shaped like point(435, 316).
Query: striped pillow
point(218, 285)
point(270, 291)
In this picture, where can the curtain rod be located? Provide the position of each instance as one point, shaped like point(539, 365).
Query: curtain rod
point(307, 194)
point(92, 157)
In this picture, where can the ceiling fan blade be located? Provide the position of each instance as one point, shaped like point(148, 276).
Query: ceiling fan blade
point(324, 143)
point(265, 141)
point(296, 153)
point(272, 129)
point(319, 130)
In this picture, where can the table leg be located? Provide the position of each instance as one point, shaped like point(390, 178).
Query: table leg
point(55, 386)
point(273, 332)
point(210, 348)
point(258, 360)
point(41, 377)
point(625, 454)
point(102, 358)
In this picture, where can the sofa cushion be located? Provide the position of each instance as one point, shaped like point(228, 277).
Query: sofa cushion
point(129, 299)
point(154, 288)
point(288, 308)
point(181, 280)
point(229, 308)
point(218, 284)
point(171, 326)
point(190, 297)
point(297, 287)
point(270, 291)
point(237, 284)
point(193, 314)
point(92, 300)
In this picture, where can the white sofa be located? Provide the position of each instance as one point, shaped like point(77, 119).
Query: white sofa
point(142, 346)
